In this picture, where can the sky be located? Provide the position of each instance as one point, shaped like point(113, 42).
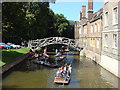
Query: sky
point(71, 10)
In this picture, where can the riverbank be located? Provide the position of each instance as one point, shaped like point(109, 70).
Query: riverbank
point(9, 56)
point(12, 64)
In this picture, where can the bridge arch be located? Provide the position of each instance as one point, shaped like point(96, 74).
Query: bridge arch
point(38, 43)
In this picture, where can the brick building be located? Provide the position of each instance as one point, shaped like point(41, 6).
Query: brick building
point(88, 32)
point(99, 35)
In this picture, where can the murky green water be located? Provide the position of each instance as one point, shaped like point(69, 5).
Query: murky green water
point(85, 74)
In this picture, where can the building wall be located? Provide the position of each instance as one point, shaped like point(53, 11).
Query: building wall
point(94, 40)
point(76, 29)
point(90, 39)
point(106, 53)
point(110, 54)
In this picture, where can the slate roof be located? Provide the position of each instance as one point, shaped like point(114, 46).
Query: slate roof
point(97, 15)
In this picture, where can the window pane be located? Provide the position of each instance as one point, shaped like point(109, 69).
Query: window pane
point(106, 40)
point(115, 40)
point(115, 15)
point(106, 19)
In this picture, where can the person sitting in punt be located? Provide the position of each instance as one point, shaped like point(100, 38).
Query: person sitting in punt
point(59, 56)
point(63, 71)
point(47, 63)
point(42, 62)
point(68, 75)
point(58, 74)
point(56, 51)
point(45, 53)
point(69, 69)
point(62, 68)
point(31, 52)
point(41, 56)
point(36, 55)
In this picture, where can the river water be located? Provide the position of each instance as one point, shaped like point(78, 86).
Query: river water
point(85, 74)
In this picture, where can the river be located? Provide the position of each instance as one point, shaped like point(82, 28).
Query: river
point(85, 74)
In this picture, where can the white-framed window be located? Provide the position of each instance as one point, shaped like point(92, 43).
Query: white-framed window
point(92, 29)
point(98, 43)
point(114, 40)
point(95, 27)
point(106, 19)
point(106, 40)
point(115, 16)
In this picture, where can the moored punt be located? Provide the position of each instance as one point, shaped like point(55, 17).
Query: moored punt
point(45, 64)
point(67, 50)
point(32, 57)
point(62, 80)
point(50, 65)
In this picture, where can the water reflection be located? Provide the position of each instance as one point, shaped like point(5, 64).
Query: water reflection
point(85, 74)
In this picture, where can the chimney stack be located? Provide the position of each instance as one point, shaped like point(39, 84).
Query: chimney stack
point(83, 11)
point(80, 15)
point(90, 9)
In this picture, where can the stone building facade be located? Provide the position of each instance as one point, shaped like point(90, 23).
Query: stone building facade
point(110, 55)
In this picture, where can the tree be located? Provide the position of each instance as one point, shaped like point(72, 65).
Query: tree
point(13, 20)
point(26, 21)
point(63, 27)
point(32, 20)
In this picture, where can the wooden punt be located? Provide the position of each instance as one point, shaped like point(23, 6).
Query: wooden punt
point(67, 50)
point(31, 58)
point(63, 77)
point(50, 65)
point(45, 64)
point(62, 80)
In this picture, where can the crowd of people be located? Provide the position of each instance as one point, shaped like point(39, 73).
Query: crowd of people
point(41, 55)
point(64, 71)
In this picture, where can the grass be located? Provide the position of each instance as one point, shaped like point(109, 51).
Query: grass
point(9, 56)
point(2, 63)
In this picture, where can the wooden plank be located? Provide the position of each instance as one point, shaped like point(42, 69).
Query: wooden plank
point(61, 80)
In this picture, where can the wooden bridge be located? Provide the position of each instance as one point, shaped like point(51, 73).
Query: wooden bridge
point(36, 44)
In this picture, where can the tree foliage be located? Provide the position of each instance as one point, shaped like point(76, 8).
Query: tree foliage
point(32, 20)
